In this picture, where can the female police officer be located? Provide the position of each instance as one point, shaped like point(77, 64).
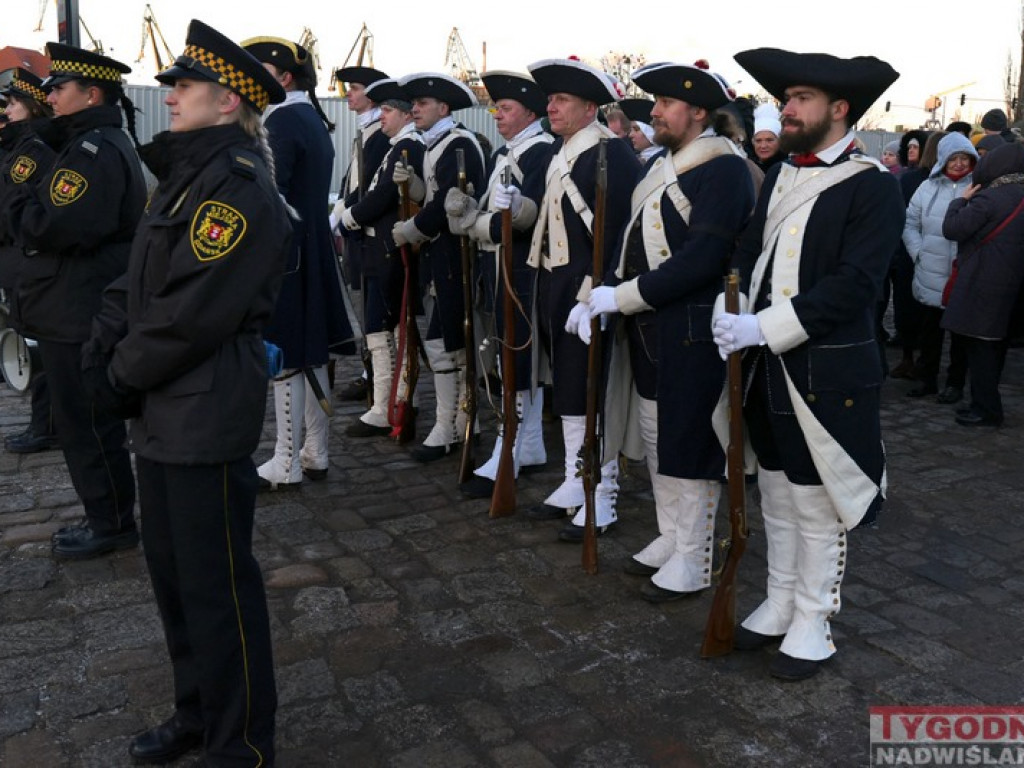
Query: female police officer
point(179, 339)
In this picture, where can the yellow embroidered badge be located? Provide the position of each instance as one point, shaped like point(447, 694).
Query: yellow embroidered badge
point(22, 169)
point(67, 186)
point(216, 229)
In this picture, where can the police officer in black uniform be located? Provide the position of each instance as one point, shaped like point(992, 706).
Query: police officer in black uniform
point(24, 159)
point(76, 226)
point(180, 336)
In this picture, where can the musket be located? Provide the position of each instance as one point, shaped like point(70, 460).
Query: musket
point(720, 631)
point(357, 162)
point(407, 361)
point(469, 340)
point(503, 497)
point(591, 439)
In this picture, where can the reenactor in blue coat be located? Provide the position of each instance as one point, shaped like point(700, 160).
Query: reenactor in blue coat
point(434, 97)
point(813, 260)
point(687, 211)
point(372, 217)
point(519, 102)
point(562, 250)
point(310, 321)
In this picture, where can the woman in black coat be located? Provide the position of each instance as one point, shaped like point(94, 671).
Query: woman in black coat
point(988, 224)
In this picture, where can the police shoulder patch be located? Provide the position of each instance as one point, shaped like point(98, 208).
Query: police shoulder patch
point(67, 186)
point(22, 169)
point(216, 229)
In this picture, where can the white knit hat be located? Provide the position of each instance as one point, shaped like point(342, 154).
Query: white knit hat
point(766, 118)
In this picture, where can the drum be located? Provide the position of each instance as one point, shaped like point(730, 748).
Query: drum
point(18, 356)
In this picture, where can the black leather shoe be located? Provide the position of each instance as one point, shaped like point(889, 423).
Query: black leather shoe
point(354, 391)
point(574, 533)
point(362, 429)
point(924, 390)
point(529, 469)
point(266, 485)
point(316, 475)
point(165, 742)
point(652, 593)
point(425, 454)
point(548, 512)
point(635, 568)
point(81, 543)
point(786, 667)
point(748, 640)
point(975, 419)
point(950, 395)
point(29, 442)
point(477, 488)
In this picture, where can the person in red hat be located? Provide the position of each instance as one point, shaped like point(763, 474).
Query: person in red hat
point(178, 345)
point(687, 211)
point(24, 157)
point(77, 220)
point(813, 260)
point(562, 251)
point(519, 102)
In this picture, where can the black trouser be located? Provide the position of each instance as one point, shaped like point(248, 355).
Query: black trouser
point(931, 337)
point(93, 441)
point(42, 413)
point(986, 358)
point(197, 533)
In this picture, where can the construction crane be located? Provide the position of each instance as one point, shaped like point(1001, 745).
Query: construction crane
point(459, 66)
point(97, 45)
point(362, 50)
point(151, 31)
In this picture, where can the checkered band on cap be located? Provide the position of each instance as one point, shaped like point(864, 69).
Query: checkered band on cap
point(231, 76)
point(17, 84)
point(87, 71)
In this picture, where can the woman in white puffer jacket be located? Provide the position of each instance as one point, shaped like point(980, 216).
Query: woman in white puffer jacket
point(933, 257)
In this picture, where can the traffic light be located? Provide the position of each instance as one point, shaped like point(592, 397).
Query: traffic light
point(963, 99)
point(888, 106)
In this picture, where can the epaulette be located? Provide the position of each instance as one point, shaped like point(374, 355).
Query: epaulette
point(244, 163)
point(90, 144)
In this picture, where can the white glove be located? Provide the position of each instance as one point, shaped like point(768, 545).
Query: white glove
point(462, 225)
point(579, 322)
point(404, 172)
point(457, 203)
point(507, 197)
point(602, 300)
point(735, 332)
point(406, 233)
point(335, 217)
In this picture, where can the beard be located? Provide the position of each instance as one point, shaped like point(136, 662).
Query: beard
point(806, 138)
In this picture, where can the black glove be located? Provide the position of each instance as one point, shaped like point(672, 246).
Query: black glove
point(104, 395)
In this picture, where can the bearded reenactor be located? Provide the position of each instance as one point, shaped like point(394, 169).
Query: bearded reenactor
point(687, 212)
point(374, 216)
point(562, 249)
point(76, 225)
point(24, 159)
point(813, 259)
point(310, 320)
point(368, 152)
point(518, 102)
point(434, 97)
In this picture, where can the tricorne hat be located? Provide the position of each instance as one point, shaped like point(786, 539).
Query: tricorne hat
point(437, 85)
point(283, 54)
point(363, 75)
point(502, 84)
point(209, 55)
point(694, 83)
point(388, 92)
point(574, 77)
point(70, 63)
point(859, 80)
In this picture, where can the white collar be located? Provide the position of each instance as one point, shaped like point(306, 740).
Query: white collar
point(368, 117)
point(290, 98)
point(830, 154)
point(406, 130)
point(527, 133)
point(438, 129)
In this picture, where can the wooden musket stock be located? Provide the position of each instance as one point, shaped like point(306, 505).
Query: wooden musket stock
point(466, 250)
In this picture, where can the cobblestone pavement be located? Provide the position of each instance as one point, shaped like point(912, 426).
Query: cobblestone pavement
point(412, 631)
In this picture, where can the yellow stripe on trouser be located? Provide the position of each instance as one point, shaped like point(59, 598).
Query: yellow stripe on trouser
point(238, 616)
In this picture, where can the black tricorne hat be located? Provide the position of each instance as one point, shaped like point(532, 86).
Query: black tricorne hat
point(574, 77)
point(859, 80)
point(283, 54)
point(637, 110)
point(362, 75)
point(209, 55)
point(26, 84)
point(501, 84)
point(70, 63)
point(693, 83)
point(436, 85)
point(388, 91)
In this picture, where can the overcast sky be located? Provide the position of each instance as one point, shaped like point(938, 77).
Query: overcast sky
point(934, 48)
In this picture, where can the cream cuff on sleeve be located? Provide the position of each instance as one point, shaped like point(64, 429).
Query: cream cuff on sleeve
point(628, 298)
point(781, 327)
